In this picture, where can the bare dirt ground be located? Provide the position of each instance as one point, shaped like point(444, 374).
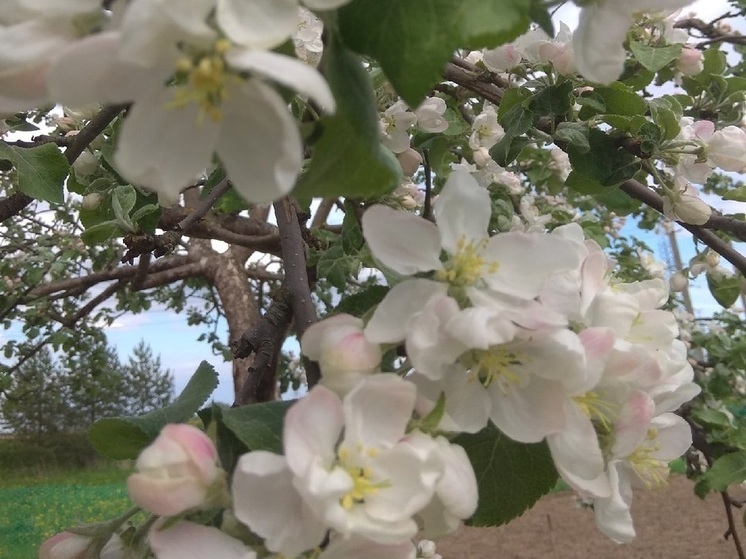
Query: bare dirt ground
point(671, 523)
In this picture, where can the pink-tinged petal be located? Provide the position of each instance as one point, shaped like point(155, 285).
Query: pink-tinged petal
point(188, 540)
point(287, 71)
point(378, 410)
point(650, 294)
point(598, 344)
point(312, 428)
point(576, 449)
point(631, 427)
point(528, 413)
point(88, 72)
point(259, 143)
point(402, 241)
point(613, 513)
point(314, 334)
point(198, 447)
point(526, 260)
point(593, 278)
point(65, 545)
point(163, 149)
point(165, 497)
point(265, 500)
point(356, 547)
point(462, 211)
point(389, 321)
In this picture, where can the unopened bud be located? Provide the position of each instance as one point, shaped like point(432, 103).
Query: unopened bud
point(410, 160)
point(86, 164)
point(678, 282)
point(92, 201)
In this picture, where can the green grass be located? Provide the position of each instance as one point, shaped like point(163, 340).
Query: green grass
point(34, 508)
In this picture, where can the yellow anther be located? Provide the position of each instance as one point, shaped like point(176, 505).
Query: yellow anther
point(494, 364)
point(466, 266)
point(222, 46)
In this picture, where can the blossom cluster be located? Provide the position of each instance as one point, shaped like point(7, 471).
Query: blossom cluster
point(199, 77)
point(530, 331)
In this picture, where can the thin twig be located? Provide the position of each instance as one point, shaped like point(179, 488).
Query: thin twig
point(427, 209)
point(732, 531)
point(205, 205)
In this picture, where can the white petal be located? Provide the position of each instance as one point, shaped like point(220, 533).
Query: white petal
point(89, 72)
point(259, 143)
point(360, 548)
point(526, 261)
point(402, 241)
point(151, 29)
point(325, 4)
point(259, 24)
point(597, 42)
point(188, 540)
point(528, 413)
point(389, 321)
point(468, 404)
point(378, 410)
point(576, 447)
point(286, 71)
point(163, 148)
point(612, 514)
point(265, 500)
point(312, 428)
point(462, 211)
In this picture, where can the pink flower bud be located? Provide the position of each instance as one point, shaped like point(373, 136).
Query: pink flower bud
point(690, 63)
point(727, 149)
point(343, 352)
point(65, 545)
point(410, 160)
point(176, 472)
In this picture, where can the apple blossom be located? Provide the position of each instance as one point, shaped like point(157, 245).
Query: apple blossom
point(430, 115)
point(726, 149)
point(502, 58)
point(691, 61)
point(684, 204)
point(485, 131)
point(177, 472)
point(410, 160)
point(344, 354)
point(394, 124)
point(171, 133)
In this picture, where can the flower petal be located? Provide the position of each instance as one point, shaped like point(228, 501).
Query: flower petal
point(163, 148)
point(286, 71)
point(188, 540)
point(402, 241)
point(462, 211)
point(266, 501)
point(259, 143)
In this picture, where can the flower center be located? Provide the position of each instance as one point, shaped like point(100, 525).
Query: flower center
point(205, 78)
point(653, 472)
point(466, 266)
point(363, 485)
point(494, 364)
point(595, 408)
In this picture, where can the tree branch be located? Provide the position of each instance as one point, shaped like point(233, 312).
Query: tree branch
point(296, 276)
point(644, 194)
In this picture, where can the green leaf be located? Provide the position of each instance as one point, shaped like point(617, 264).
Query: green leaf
point(123, 438)
point(712, 418)
point(725, 471)
point(575, 134)
point(622, 100)
point(507, 149)
point(724, 290)
point(349, 159)
point(606, 162)
point(554, 100)
point(258, 426)
point(516, 120)
point(40, 171)
point(665, 116)
point(123, 199)
point(738, 194)
point(654, 58)
point(359, 303)
point(511, 476)
point(413, 39)
point(96, 234)
point(336, 266)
